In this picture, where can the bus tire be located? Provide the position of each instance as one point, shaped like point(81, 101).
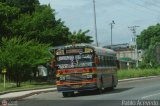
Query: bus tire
point(101, 88)
point(68, 94)
point(113, 85)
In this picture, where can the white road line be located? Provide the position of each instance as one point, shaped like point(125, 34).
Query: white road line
point(144, 97)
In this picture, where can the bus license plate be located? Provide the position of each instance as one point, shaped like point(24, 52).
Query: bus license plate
point(75, 86)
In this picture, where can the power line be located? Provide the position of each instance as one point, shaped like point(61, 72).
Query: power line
point(133, 29)
point(151, 3)
point(143, 6)
point(130, 4)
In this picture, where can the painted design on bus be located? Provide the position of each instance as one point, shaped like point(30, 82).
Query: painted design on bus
point(83, 67)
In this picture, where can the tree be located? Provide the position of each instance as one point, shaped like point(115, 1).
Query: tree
point(7, 15)
point(147, 41)
point(25, 6)
point(43, 26)
point(80, 37)
point(40, 24)
point(20, 56)
point(148, 37)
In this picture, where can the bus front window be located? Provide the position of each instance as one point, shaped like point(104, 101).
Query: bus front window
point(75, 61)
point(84, 60)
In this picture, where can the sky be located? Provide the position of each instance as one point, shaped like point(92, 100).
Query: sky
point(79, 14)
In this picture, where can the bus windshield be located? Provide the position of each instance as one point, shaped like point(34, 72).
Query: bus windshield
point(75, 61)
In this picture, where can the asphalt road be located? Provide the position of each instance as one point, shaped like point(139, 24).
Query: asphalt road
point(146, 91)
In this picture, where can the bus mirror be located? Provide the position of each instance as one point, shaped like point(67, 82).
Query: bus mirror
point(56, 67)
point(96, 60)
point(53, 63)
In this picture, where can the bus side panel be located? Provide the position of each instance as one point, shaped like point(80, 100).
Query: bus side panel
point(104, 76)
point(115, 77)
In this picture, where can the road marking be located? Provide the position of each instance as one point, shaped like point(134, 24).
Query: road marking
point(144, 97)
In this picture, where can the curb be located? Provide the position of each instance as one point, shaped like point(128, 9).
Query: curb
point(28, 94)
point(33, 93)
point(38, 88)
point(139, 78)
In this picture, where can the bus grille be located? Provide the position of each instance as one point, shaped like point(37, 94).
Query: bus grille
point(75, 77)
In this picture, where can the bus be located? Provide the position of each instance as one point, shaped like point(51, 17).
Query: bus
point(82, 67)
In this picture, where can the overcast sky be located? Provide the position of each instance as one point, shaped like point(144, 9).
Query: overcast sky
point(78, 14)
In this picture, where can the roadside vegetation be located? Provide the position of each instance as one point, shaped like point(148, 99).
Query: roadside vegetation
point(28, 29)
point(149, 41)
point(133, 73)
point(11, 86)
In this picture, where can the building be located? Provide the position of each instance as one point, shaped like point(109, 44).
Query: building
point(126, 54)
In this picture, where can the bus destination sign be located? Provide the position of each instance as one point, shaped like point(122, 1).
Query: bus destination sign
point(70, 51)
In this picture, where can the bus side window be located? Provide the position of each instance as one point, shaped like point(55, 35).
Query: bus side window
point(101, 63)
point(112, 63)
point(99, 58)
point(108, 61)
point(105, 61)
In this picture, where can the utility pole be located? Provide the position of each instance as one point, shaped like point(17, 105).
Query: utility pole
point(95, 23)
point(111, 30)
point(133, 29)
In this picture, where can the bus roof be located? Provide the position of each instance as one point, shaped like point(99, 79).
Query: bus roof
point(98, 50)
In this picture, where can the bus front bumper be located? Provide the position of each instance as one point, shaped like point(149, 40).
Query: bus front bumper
point(77, 87)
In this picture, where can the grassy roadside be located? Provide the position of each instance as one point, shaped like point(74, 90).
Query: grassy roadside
point(122, 74)
point(24, 86)
point(133, 73)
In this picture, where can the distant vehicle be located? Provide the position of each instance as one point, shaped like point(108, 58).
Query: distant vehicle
point(82, 67)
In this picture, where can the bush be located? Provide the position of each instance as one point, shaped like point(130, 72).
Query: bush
point(1, 78)
point(132, 73)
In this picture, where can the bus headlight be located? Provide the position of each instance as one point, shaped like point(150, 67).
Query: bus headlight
point(89, 76)
point(62, 78)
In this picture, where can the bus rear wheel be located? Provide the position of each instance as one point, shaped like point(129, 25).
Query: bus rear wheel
point(68, 94)
point(113, 85)
point(101, 87)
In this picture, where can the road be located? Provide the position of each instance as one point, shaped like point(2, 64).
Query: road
point(146, 89)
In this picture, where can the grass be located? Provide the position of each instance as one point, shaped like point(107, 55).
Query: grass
point(24, 86)
point(133, 73)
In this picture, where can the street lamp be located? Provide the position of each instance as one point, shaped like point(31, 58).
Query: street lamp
point(111, 30)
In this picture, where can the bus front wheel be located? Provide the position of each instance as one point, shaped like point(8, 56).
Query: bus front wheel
point(68, 94)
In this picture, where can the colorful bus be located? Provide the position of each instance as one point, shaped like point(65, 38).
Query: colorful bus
point(82, 67)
